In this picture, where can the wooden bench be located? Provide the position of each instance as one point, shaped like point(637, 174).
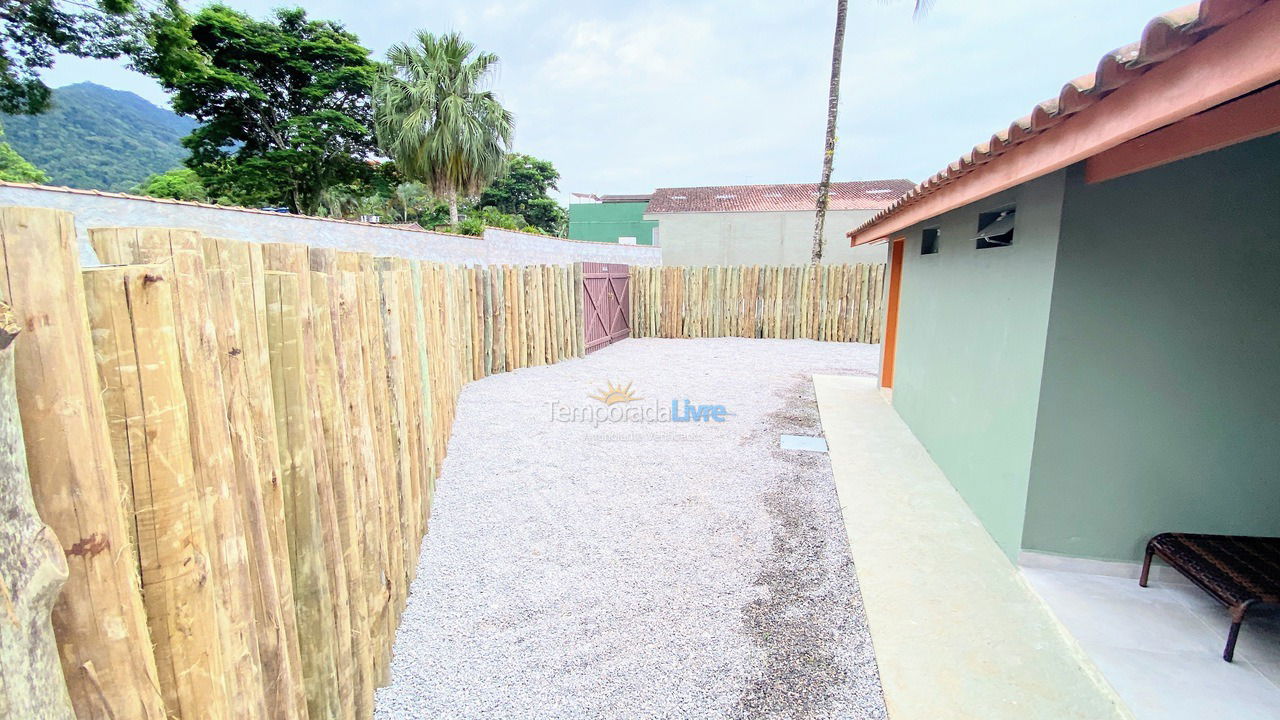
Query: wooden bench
point(1236, 570)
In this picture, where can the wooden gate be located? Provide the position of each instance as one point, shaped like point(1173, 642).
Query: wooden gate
point(606, 303)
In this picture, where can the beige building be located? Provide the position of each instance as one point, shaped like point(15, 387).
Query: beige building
point(765, 224)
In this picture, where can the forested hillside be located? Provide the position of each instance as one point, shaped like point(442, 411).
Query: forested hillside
point(98, 138)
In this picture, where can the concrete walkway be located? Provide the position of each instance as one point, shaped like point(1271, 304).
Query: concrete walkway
point(957, 632)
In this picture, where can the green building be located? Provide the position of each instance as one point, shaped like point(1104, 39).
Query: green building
point(612, 219)
point(1082, 327)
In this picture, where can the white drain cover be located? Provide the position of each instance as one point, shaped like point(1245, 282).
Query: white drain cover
point(804, 442)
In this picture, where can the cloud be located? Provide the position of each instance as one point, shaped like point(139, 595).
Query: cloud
point(626, 97)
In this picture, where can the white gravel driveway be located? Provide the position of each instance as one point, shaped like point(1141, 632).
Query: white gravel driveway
point(639, 568)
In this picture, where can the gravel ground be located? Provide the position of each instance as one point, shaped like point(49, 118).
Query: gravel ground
point(633, 568)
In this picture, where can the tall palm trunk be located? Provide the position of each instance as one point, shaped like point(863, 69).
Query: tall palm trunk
point(453, 208)
point(833, 103)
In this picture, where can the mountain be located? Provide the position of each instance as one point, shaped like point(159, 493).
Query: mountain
point(98, 138)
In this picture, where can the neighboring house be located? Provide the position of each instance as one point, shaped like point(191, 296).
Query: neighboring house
point(1084, 312)
point(765, 224)
point(610, 218)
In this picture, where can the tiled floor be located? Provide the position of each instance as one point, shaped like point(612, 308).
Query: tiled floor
point(1160, 647)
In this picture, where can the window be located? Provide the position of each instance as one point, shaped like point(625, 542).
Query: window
point(995, 229)
point(929, 241)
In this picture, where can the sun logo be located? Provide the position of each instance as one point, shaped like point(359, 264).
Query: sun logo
point(614, 394)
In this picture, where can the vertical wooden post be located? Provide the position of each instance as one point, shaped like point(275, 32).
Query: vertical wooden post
point(214, 463)
point(32, 568)
point(365, 388)
point(236, 305)
point(338, 490)
point(99, 619)
point(313, 598)
point(135, 328)
point(399, 492)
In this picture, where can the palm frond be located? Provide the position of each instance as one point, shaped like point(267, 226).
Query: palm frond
point(435, 116)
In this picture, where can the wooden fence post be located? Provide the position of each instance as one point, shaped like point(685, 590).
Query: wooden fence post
point(32, 568)
point(99, 619)
point(338, 490)
point(311, 592)
point(236, 301)
point(135, 328)
point(213, 460)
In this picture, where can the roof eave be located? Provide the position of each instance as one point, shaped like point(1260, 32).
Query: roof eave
point(1150, 92)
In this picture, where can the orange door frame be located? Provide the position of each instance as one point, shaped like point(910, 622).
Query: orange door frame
point(896, 249)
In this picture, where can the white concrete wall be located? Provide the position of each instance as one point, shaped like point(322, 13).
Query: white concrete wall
point(94, 209)
point(759, 238)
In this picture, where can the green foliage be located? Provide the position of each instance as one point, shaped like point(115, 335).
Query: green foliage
point(522, 190)
point(180, 183)
point(386, 196)
point(476, 219)
point(469, 226)
point(97, 138)
point(284, 105)
point(15, 168)
point(434, 118)
point(34, 32)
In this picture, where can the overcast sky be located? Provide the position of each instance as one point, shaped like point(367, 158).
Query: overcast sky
point(627, 96)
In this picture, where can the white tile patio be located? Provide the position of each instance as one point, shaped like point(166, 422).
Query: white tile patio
point(1161, 646)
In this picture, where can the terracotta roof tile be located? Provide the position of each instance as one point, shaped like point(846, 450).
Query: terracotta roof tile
point(858, 195)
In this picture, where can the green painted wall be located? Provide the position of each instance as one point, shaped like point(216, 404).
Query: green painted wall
point(606, 222)
point(1160, 408)
point(971, 337)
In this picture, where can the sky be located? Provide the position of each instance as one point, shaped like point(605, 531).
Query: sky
point(625, 97)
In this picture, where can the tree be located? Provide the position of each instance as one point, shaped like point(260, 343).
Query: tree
point(833, 104)
point(522, 190)
point(179, 184)
point(34, 32)
point(284, 105)
point(433, 117)
point(15, 168)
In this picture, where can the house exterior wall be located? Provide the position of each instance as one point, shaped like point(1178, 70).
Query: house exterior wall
point(606, 222)
point(1160, 405)
point(971, 335)
point(759, 238)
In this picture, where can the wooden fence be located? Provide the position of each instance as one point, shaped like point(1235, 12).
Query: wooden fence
point(827, 302)
point(236, 445)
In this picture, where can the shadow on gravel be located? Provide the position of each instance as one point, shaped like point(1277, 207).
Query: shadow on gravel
point(810, 608)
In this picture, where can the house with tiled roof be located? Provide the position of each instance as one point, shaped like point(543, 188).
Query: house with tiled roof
point(1082, 325)
point(765, 224)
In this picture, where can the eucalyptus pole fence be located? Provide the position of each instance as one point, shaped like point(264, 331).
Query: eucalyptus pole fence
point(840, 303)
point(237, 444)
point(235, 447)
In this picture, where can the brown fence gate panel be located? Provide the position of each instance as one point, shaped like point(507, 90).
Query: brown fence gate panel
point(606, 303)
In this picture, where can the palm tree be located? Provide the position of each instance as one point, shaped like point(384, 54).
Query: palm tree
point(433, 117)
point(833, 104)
